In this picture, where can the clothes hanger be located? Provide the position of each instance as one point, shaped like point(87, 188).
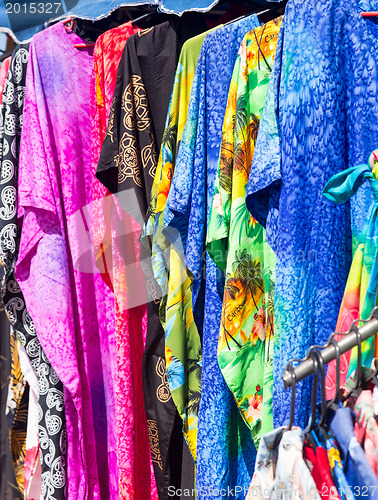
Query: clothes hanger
point(144, 16)
point(314, 395)
point(355, 390)
point(68, 24)
point(292, 403)
point(334, 404)
point(272, 9)
point(322, 432)
point(323, 412)
point(309, 430)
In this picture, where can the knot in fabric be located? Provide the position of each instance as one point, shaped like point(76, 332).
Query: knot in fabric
point(342, 186)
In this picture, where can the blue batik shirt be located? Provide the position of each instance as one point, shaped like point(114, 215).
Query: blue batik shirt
point(320, 117)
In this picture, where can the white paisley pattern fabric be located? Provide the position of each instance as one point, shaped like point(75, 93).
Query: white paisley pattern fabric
point(51, 413)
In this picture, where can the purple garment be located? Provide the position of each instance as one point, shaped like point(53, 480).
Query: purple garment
point(72, 308)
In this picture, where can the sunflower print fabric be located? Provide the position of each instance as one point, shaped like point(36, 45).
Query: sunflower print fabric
point(237, 243)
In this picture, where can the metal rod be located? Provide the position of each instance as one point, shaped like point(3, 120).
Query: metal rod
point(306, 368)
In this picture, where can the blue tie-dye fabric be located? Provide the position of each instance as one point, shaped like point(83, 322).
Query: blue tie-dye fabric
point(320, 117)
point(225, 451)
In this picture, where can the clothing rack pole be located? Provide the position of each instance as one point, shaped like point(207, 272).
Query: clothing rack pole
point(306, 368)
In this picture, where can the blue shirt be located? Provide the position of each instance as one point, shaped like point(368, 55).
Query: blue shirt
point(320, 117)
point(358, 471)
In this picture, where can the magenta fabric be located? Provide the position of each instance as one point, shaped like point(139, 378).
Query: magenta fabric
point(65, 294)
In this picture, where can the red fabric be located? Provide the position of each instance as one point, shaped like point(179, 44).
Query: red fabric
point(321, 472)
point(111, 226)
point(3, 75)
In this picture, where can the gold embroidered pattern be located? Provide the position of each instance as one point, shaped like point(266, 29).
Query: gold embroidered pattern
point(154, 443)
point(144, 32)
point(163, 393)
point(135, 105)
point(127, 160)
point(135, 117)
point(110, 129)
point(150, 159)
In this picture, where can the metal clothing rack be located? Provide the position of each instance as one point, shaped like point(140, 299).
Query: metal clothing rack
point(329, 352)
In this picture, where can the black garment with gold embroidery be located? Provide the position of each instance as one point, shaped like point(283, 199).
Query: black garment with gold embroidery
point(127, 168)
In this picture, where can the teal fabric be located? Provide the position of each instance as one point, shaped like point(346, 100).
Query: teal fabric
point(341, 187)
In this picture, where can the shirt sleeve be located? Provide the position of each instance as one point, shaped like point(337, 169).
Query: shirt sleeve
point(264, 183)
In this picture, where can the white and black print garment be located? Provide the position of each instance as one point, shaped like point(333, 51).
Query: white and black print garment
point(51, 413)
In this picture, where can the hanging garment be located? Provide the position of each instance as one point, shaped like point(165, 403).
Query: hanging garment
point(17, 414)
point(8, 484)
point(51, 413)
point(54, 186)
point(127, 165)
point(313, 126)
point(366, 428)
point(237, 244)
point(360, 295)
point(281, 471)
point(107, 54)
point(18, 391)
point(317, 461)
point(183, 366)
point(32, 464)
point(220, 428)
point(360, 476)
point(3, 75)
point(337, 470)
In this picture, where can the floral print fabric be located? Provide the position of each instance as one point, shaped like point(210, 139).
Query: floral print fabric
point(312, 127)
point(17, 413)
point(281, 471)
point(336, 466)
point(366, 428)
point(358, 472)
point(237, 242)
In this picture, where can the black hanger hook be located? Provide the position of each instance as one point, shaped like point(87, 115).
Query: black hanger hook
point(359, 356)
point(314, 397)
point(291, 369)
point(336, 346)
point(320, 360)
